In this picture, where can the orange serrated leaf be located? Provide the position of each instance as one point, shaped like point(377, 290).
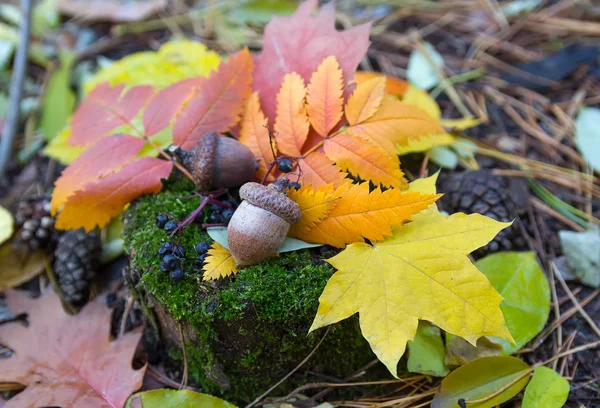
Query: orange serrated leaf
point(314, 205)
point(365, 100)
point(318, 170)
point(98, 202)
point(325, 96)
point(219, 106)
point(359, 214)
point(255, 135)
point(291, 125)
point(167, 104)
point(105, 109)
point(365, 160)
point(102, 158)
point(393, 86)
point(219, 263)
point(396, 122)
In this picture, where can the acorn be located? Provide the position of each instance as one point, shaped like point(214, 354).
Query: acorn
point(218, 162)
point(261, 222)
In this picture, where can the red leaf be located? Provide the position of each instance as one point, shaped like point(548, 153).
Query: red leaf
point(219, 106)
point(67, 361)
point(104, 157)
point(299, 44)
point(98, 202)
point(105, 109)
point(168, 104)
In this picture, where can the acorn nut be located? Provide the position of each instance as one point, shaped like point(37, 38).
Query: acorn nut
point(218, 162)
point(261, 222)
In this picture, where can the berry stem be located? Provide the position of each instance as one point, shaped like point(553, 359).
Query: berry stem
point(269, 170)
point(205, 200)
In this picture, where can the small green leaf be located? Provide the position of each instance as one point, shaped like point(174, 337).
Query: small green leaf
point(587, 135)
point(582, 250)
point(426, 351)
point(481, 379)
point(444, 157)
point(420, 73)
point(219, 234)
point(59, 99)
point(547, 389)
point(6, 224)
point(175, 399)
point(259, 12)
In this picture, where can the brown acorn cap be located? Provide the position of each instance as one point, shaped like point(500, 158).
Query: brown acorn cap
point(200, 160)
point(272, 198)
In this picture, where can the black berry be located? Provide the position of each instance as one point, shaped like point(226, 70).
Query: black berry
point(171, 226)
point(164, 267)
point(215, 218)
point(295, 185)
point(171, 261)
point(164, 249)
point(161, 220)
point(201, 248)
point(226, 216)
point(285, 165)
point(177, 274)
point(199, 262)
point(179, 251)
point(230, 203)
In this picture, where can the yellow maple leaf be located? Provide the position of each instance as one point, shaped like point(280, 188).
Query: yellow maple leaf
point(325, 96)
point(314, 205)
point(422, 272)
point(359, 213)
point(365, 100)
point(219, 263)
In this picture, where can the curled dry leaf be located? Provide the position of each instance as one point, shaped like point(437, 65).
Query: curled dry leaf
point(17, 268)
point(58, 357)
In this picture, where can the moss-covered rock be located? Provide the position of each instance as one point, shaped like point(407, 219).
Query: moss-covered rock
point(244, 333)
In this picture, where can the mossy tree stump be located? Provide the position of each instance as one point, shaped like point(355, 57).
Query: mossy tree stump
point(244, 333)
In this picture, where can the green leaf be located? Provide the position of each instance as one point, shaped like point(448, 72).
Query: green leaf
point(6, 224)
point(44, 17)
point(59, 99)
point(112, 244)
point(582, 250)
point(526, 305)
point(419, 72)
point(587, 135)
point(444, 157)
point(175, 399)
point(547, 389)
point(480, 379)
point(219, 234)
point(260, 11)
point(426, 351)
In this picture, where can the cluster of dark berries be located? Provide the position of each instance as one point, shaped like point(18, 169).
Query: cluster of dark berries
point(201, 250)
point(163, 222)
point(218, 214)
point(170, 260)
point(35, 223)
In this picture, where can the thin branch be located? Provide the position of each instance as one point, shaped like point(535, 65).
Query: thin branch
point(16, 88)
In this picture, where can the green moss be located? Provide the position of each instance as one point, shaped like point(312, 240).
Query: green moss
point(251, 329)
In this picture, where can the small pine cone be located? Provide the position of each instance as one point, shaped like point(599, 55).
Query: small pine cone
point(35, 224)
point(484, 193)
point(77, 259)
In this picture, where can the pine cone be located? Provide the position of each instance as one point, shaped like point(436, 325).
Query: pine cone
point(484, 193)
point(77, 259)
point(35, 223)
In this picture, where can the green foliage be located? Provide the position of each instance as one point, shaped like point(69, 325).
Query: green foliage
point(175, 399)
point(427, 352)
point(59, 99)
point(547, 389)
point(481, 379)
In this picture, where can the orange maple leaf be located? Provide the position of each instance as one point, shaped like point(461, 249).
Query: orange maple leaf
point(98, 202)
point(104, 157)
point(318, 170)
point(292, 122)
point(359, 214)
point(325, 96)
point(219, 106)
